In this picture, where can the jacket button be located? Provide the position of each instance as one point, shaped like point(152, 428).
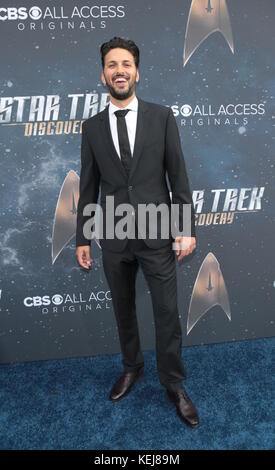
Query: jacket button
point(130, 188)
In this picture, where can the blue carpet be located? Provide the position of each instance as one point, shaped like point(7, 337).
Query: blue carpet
point(63, 404)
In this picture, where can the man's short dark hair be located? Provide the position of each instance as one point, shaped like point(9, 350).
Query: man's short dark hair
point(123, 44)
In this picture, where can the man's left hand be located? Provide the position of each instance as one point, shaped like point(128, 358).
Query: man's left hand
point(184, 246)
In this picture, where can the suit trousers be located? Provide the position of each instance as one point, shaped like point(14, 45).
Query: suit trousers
point(159, 269)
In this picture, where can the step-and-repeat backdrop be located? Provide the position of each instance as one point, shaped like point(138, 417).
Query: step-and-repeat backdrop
point(212, 62)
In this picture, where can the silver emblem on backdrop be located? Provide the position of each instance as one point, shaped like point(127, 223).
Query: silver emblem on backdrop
point(206, 17)
point(209, 290)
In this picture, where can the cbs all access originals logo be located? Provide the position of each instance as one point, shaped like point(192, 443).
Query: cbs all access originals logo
point(237, 114)
point(86, 17)
point(58, 303)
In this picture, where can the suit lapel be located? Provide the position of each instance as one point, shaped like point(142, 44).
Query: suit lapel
point(141, 131)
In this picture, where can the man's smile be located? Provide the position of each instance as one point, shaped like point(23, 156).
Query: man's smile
point(120, 81)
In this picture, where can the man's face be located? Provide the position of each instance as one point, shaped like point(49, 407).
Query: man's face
point(120, 73)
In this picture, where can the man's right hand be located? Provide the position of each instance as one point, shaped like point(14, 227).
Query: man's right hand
point(83, 255)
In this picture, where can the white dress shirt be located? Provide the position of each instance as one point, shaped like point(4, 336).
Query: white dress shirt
point(131, 123)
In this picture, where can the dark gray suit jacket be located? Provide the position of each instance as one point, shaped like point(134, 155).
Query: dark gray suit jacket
point(157, 155)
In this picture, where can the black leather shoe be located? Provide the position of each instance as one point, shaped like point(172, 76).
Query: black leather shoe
point(123, 385)
point(185, 408)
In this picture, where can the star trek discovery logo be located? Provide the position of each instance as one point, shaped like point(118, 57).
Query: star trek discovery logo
point(41, 115)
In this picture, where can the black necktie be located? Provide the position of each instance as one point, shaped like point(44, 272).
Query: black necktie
point(123, 138)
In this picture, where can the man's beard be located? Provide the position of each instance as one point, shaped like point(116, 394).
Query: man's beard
point(121, 95)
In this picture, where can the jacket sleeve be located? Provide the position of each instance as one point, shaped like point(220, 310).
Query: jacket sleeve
point(175, 166)
point(88, 186)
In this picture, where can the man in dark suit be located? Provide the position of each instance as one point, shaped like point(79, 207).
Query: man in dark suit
point(130, 149)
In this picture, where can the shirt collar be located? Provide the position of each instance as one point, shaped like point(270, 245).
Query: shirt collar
point(133, 105)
